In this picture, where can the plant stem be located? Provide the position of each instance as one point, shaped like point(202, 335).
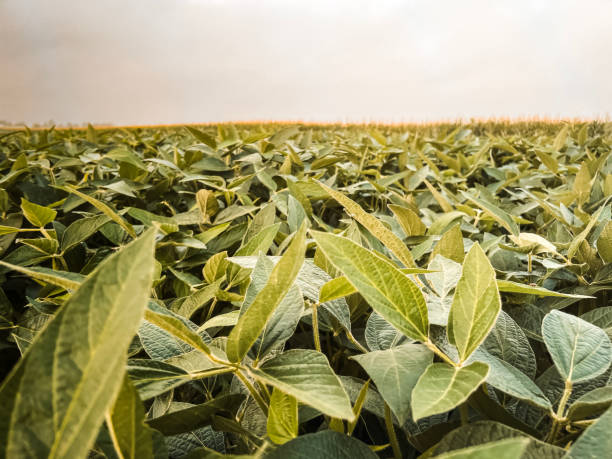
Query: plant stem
point(260, 401)
point(206, 374)
point(315, 326)
point(211, 309)
point(529, 267)
point(352, 339)
point(558, 417)
point(44, 233)
point(397, 453)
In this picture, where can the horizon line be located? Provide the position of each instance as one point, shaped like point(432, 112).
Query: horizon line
point(431, 123)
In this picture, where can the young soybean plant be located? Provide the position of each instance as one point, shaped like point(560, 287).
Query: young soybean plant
point(412, 385)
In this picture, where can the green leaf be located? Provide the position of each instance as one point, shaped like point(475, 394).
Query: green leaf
point(132, 438)
point(571, 251)
point(307, 376)
point(196, 416)
point(64, 279)
point(282, 423)
point(395, 372)
point(202, 137)
point(596, 441)
point(82, 349)
point(508, 342)
point(340, 287)
point(8, 230)
point(253, 321)
point(374, 226)
point(499, 215)
point(503, 449)
point(215, 267)
point(336, 288)
point(228, 319)
point(512, 381)
point(561, 138)
point(177, 328)
point(38, 216)
point(381, 335)
point(547, 160)
point(515, 287)
point(604, 243)
point(260, 242)
point(443, 387)
point(191, 304)
point(444, 276)
point(476, 303)
point(160, 344)
point(591, 404)
point(102, 207)
point(450, 245)
point(580, 350)
point(152, 377)
point(322, 445)
point(281, 326)
point(444, 221)
point(409, 221)
point(81, 229)
point(384, 287)
point(479, 432)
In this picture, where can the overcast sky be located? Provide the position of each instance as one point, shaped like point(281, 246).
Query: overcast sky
point(175, 61)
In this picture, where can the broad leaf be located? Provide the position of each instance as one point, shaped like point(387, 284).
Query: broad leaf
point(508, 342)
point(196, 416)
point(307, 376)
point(385, 287)
point(125, 422)
point(282, 423)
point(381, 335)
point(502, 449)
point(443, 387)
point(323, 445)
point(395, 372)
point(447, 275)
point(409, 221)
point(580, 350)
point(508, 379)
point(596, 441)
point(39, 216)
point(176, 327)
point(64, 279)
point(450, 245)
point(152, 377)
point(480, 432)
point(515, 287)
point(591, 404)
point(260, 242)
point(374, 226)
point(102, 207)
point(281, 326)
point(81, 350)
point(82, 229)
point(501, 216)
point(336, 288)
point(476, 303)
point(253, 321)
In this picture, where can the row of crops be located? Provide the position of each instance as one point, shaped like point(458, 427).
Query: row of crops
point(287, 291)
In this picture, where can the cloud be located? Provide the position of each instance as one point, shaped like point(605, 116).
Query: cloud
point(157, 61)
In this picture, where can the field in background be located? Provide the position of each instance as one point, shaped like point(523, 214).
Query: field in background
point(384, 291)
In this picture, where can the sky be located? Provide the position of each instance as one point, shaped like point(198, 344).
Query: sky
point(195, 61)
